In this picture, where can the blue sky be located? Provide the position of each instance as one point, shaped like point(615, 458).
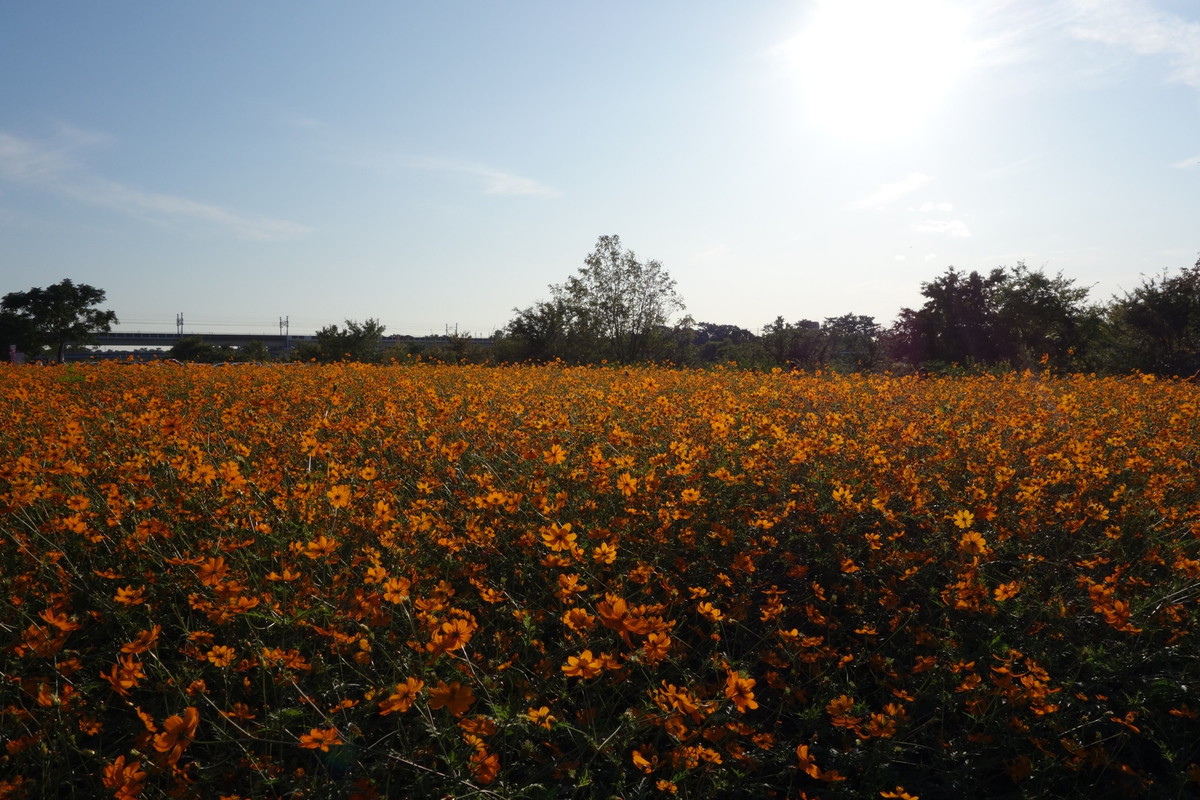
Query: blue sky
point(436, 165)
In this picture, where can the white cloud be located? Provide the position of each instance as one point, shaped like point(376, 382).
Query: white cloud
point(899, 258)
point(53, 169)
point(26, 162)
point(930, 256)
point(1134, 26)
point(1187, 163)
point(891, 192)
point(945, 208)
point(954, 227)
point(494, 181)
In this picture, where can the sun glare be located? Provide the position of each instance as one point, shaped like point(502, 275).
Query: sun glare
point(876, 69)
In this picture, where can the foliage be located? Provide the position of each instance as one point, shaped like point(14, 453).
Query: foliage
point(1043, 320)
point(358, 341)
point(614, 308)
point(433, 581)
point(1015, 317)
point(196, 349)
point(853, 342)
point(1156, 327)
point(798, 345)
point(56, 316)
point(956, 325)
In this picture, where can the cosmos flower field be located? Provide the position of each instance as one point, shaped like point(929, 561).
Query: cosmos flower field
point(465, 581)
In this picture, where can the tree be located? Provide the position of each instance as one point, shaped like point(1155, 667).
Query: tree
point(1156, 327)
point(56, 316)
point(194, 348)
point(959, 316)
point(852, 341)
point(796, 344)
point(358, 341)
point(721, 342)
point(615, 307)
point(1042, 318)
point(541, 332)
point(1018, 316)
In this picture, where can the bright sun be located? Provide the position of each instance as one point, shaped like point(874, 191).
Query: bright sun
point(876, 69)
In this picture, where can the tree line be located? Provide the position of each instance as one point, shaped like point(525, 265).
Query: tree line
point(619, 309)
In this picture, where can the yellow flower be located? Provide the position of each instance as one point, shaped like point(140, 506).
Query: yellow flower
point(740, 691)
point(320, 739)
point(221, 656)
point(339, 496)
point(542, 717)
point(585, 665)
point(963, 519)
point(558, 537)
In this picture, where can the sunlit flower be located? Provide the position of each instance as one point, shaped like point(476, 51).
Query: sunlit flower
point(740, 691)
point(320, 739)
point(541, 717)
point(584, 665)
point(402, 698)
point(339, 496)
point(559, 537)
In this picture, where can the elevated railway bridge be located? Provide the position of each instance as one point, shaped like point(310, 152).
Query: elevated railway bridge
point(275, 343)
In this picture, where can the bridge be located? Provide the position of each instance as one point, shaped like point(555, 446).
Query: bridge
point(274, 342)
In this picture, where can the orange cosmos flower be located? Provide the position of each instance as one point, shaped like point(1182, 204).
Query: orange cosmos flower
point(485, 766)
point(320, 547)
point(454, 696)
point(144, 641)
point(808, 764)
point(130, 595)
point(740, 691)
point(615, 613)
point(124, 778)
point(339, 496)
point(710, 612)
point(646, 765)
point(212, 571)
point(585, 665)
point(453, 635)
point(578, 620)
point(402, 699)
point(61, 621)
point(627, 484)
point(542, 717)
point(963, 519)
point(178, 732)
point(604, 553)
point(559, 537)
point(221, 656)
point(973, 543)
point(656, 647)
point(395, 590)
point(125, 675)
point(320, 739)
point(1007, 590)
